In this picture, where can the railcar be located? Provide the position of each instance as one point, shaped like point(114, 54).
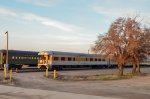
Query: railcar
point(60, 60)
point(18, 58)
point(146, 62)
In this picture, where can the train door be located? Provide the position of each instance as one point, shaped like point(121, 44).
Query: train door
point(43, 59)
point(50, 59)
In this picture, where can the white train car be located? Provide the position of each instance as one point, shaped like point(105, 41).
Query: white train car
point(146, 62)
point(60, 60)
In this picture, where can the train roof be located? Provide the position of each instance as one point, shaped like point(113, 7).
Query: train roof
point(57, 53)
point(18, 52)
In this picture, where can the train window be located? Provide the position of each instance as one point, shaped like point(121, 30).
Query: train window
point(86, 59)
point(16, 57)
point(95, 59)
point(99, 59)
point(56, 58)
point(63, 58)
point(19, 57)
point(69, 58)
point(103, 59)
point(91, 59)
point(13, 57)
point(74, 59)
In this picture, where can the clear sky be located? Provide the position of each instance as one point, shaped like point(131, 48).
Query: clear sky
point(63, 25)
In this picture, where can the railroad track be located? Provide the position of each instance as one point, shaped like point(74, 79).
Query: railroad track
point(29, 69)
point(35, 69)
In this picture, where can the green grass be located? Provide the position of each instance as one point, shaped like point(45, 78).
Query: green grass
point(94, 77)
point(113, 77)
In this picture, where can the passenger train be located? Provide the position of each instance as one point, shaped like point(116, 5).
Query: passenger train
point(60, 60)
point(57, 59)
point(18, 58)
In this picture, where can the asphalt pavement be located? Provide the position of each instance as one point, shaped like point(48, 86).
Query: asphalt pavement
point(11, 92)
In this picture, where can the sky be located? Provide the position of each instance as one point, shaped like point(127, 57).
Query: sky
point(63, 25)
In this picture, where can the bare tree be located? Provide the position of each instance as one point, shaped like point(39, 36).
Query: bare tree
point(124, 41)
point(133, 31)
point(114, 43)
point(138, 43)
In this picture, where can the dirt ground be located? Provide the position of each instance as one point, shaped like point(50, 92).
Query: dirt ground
point(137, 87)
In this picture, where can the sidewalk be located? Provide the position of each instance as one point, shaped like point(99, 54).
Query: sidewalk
point(10, 92)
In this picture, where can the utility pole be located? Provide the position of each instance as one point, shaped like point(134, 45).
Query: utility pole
point(6, 64)
point(88, 51)
point(6, 48)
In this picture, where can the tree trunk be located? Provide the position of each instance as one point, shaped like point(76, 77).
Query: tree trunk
point(138, 68)
point(134, 69)
point(120, 68)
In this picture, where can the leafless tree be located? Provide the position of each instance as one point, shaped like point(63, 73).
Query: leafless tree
point(113, 44)
point(125, 42)
point(138, 43)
